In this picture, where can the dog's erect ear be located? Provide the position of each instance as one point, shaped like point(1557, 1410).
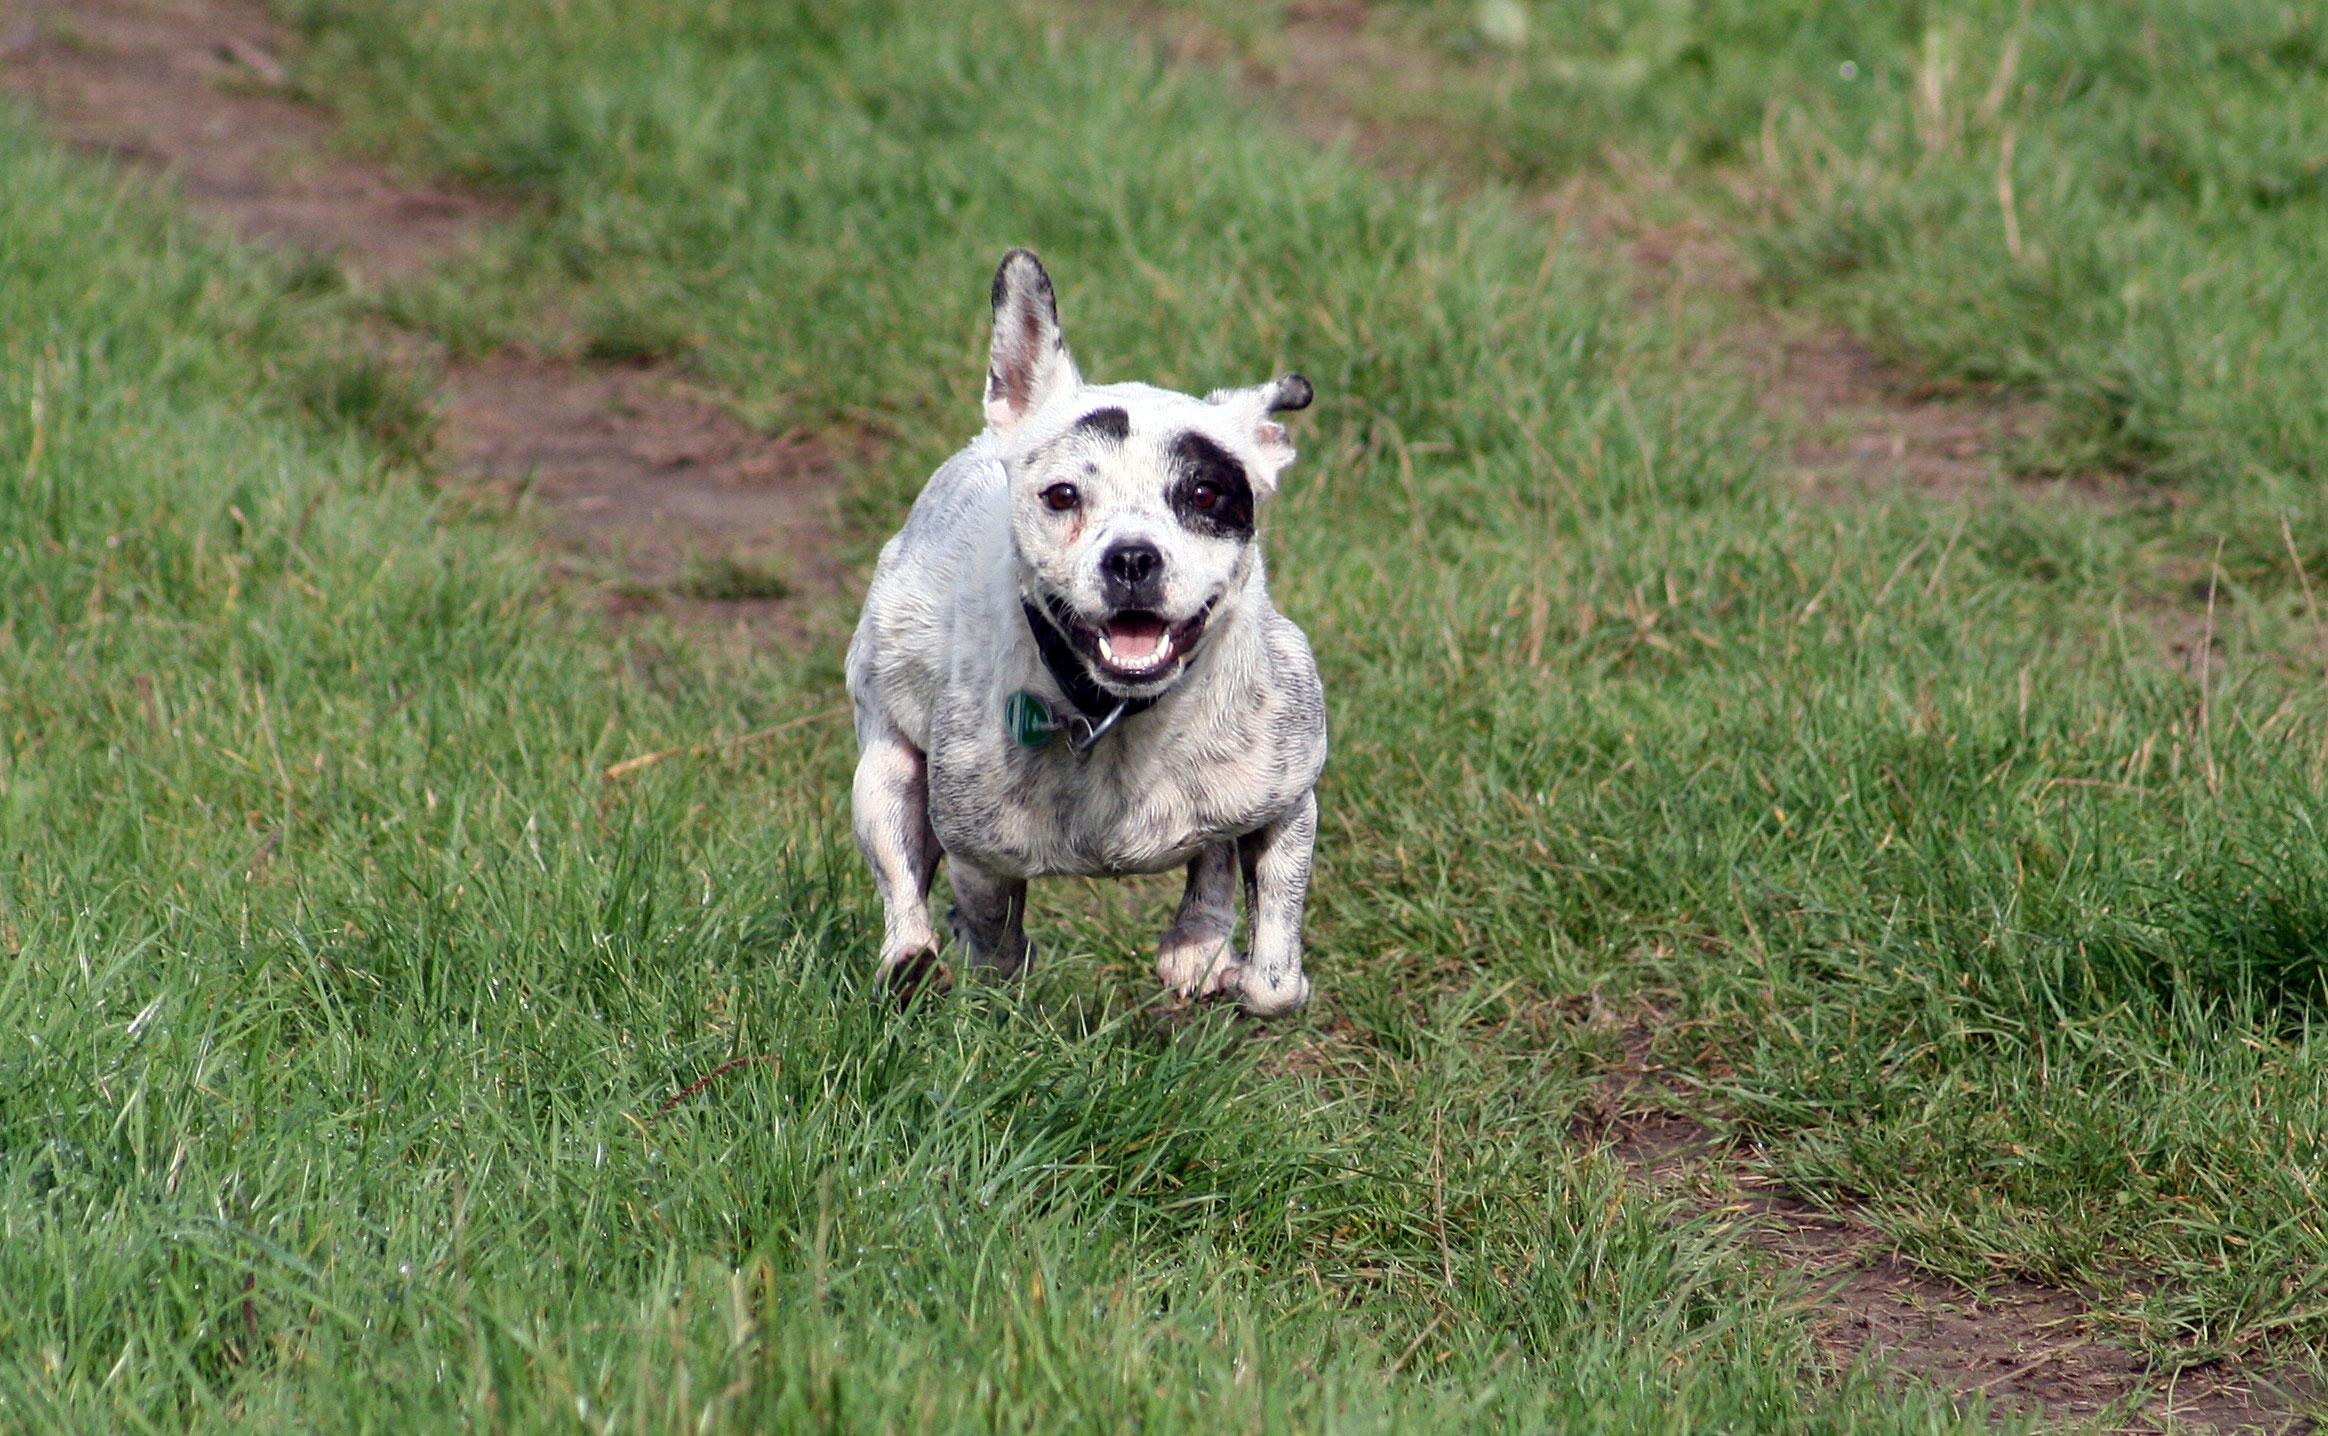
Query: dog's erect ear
point(1287, 392)
point(1028, 365)
point(1252, 408)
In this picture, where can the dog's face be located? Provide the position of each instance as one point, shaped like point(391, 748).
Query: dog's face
point(1133, 520)
point(1132, 508)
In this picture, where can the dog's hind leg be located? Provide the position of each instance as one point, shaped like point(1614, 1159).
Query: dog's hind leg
point(1195, 958)
point(1277, 871)
point(989, 917)
point(892, 810)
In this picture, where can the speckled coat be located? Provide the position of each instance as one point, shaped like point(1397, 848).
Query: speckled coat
point(1112, 525)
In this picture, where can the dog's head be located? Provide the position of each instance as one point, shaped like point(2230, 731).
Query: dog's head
point(1132, 508)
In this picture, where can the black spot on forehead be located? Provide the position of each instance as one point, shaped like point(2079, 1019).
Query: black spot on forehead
point(1199, 462)
point(1110, 423)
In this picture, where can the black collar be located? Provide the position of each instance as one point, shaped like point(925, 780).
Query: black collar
point(1075, 680)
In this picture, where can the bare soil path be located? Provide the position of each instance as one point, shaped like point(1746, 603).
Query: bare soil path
point(663, 498)
point(2019, 1345)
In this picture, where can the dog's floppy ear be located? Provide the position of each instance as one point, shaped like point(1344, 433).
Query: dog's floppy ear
point(1028, 364)
point(1252, 408)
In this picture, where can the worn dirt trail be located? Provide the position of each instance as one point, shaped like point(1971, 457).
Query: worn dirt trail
point(2017, 1344)
point(649, 490)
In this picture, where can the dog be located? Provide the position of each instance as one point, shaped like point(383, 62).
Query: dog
point(1068, 664)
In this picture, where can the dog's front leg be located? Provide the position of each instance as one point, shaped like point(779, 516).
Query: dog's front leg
point(1195, 959)
point(989, 917)
point(892, 809)
point(1277, 871)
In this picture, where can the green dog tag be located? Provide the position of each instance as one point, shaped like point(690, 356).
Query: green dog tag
point(1029, 719)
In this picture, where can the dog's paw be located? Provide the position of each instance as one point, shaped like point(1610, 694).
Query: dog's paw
point(1201, 965)
point(1271, 996)
point(906, 975)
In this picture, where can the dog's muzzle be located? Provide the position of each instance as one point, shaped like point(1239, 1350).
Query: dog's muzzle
point(1133, 647)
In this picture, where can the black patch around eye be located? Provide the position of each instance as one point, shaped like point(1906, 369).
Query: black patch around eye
point(1197, 460)
point(1104, 424)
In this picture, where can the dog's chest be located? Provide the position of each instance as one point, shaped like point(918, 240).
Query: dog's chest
point(1141, 802)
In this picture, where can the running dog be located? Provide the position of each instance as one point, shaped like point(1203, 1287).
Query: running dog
point(1068, 664)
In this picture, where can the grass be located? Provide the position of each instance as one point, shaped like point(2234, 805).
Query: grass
point(733, 576)
point(347, 1004)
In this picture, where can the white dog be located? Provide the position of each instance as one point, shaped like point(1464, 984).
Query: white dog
point(1068, 664)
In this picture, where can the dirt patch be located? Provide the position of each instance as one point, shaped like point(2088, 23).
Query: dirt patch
point(2017, 1345)
point(665, 499)
point(1856, 427)
point(1859, 424)
point(1313, 65)
point(650, 488)
point(197, 89)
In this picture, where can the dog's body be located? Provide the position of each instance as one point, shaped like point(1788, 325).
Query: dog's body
point(1068, 664)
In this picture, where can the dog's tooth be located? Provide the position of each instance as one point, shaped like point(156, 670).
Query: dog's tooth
point(1166, 649)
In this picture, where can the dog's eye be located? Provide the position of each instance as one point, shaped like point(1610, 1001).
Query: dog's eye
point(1061, 497)
point(1204, 496)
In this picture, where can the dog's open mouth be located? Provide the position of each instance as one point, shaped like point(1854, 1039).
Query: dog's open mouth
point(1134, 646)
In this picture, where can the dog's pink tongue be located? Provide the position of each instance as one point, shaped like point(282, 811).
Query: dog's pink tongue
point(1135, 635)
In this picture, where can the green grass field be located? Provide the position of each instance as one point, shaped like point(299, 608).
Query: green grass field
point(343, 998)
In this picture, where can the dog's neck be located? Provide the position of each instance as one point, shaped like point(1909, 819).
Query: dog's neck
point(1074, 680)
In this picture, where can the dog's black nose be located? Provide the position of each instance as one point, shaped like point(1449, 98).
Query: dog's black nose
point(1132, 565)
